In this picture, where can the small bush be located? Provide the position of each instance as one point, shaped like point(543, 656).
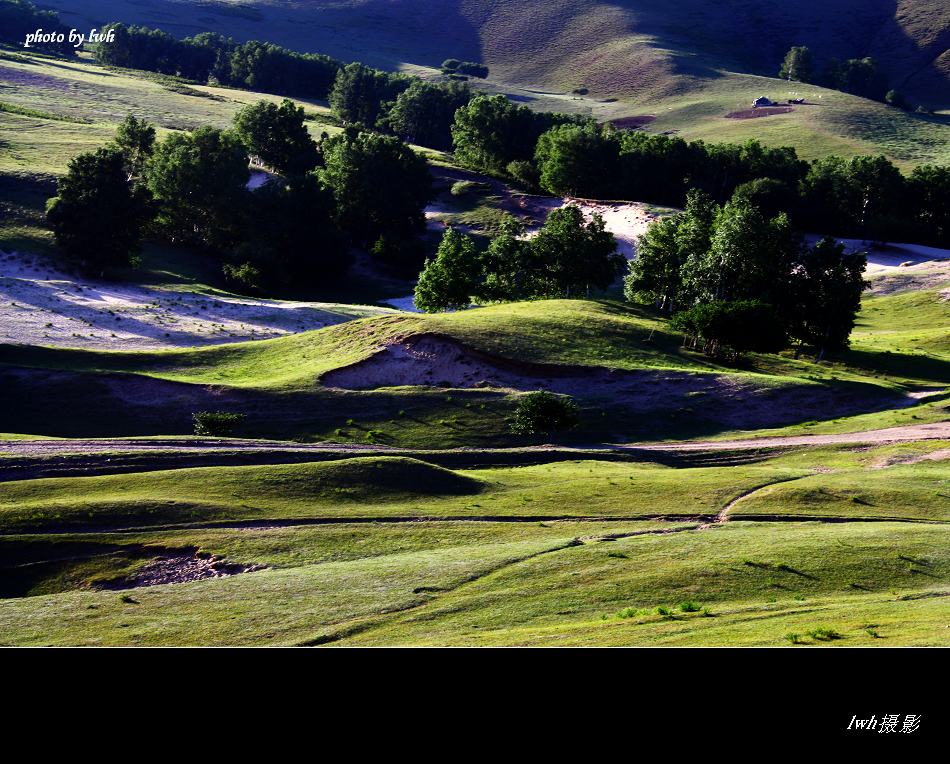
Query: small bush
point(793, 638)
point(543, 413)
point(629, 612)
point(688, 606)
point(219, 424)
point(465, 187)
point(245, 275)
point(824, 634)
point(666, 612)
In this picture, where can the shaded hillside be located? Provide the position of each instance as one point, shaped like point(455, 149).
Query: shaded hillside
point(628, 47)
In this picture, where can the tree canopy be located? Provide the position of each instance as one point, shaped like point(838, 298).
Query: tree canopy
point(799, 64)
point(97, 215)
point(424, 112)
point(360, 93)
point(135, 138)
point(448, 281)
point(278, 135)
point(381, 186)
point(199, 180)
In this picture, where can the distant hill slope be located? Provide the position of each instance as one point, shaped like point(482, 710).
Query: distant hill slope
point(634, 48)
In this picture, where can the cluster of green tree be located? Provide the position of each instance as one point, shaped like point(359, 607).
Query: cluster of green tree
point(862, 196)
point(737, 281)
point(424, 113)
point(566, 258)
point(362, 95)
point(492, 135)
point(418, 111)
point(191, 188)
point(18, 18)
point(381, 187)
point(452, 66)
point(858, 76)
point(211, 57)
point(869, 197)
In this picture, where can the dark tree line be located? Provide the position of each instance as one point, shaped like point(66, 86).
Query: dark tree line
point(192, 188)
point(858, 76)
point(863, 196)
point(415, 110)
point(210, 57)
point(21, 17)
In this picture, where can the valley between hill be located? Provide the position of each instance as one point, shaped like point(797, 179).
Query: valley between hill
point(376, 491)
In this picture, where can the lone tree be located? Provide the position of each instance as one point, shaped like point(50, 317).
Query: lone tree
point(799, 64)
point(97, 215)
point(544, 413)
point(449, 281)
point(278, 135)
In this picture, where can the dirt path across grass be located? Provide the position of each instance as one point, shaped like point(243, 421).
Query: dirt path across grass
point(50, 447)
point(29, 459)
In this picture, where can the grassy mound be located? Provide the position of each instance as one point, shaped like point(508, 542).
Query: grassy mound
point(343, 487)
point(758, 581)
point(913, 491)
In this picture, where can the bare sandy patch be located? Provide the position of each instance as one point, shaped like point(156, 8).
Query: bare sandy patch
point(898, 267)
point(180, 566)
point(940, 455)
point(627, 221)
point(740, 401)
point(42, 305)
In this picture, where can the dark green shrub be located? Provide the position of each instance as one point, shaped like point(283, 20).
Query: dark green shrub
point(220, 424)
point(543, 413)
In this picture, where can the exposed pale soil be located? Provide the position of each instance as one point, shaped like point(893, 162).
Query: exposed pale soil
point(180, 566)
point(42, 305)
point(439, 361)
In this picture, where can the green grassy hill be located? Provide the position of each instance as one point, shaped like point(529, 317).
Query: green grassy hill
point(623, 365)
point(380, 551)
point(616, 48)
point(685, 66)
